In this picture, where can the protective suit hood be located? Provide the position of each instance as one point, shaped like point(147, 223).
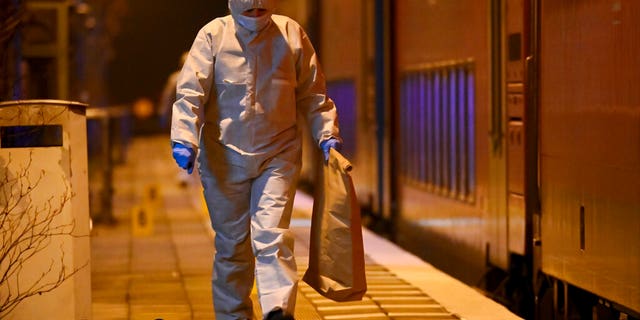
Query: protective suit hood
point(255, 24)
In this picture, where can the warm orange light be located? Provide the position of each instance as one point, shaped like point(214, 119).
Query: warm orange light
point(143, 108)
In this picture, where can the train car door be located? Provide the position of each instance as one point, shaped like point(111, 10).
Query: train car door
point(513, 151)
point(515, 38)
point(346, 50)
point(510, 128)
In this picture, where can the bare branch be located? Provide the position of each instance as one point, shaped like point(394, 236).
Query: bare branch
point(28, 228)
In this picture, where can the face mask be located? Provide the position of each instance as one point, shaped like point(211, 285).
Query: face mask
point(237, 7)
point(254, 23)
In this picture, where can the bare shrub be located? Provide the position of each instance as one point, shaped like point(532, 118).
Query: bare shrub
point(28, 228)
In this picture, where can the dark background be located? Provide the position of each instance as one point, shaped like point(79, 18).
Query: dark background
point(154, 34)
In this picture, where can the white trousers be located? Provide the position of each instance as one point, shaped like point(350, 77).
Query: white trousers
point(250, 206)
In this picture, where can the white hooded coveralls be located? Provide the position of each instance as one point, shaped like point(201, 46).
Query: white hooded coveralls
point(239, 96)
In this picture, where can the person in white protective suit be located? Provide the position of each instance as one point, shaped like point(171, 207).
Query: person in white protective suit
point(246, 79)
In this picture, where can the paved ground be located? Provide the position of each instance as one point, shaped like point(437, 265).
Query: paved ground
point(155, 262)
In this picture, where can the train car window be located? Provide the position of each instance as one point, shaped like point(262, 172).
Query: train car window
point(437, 129)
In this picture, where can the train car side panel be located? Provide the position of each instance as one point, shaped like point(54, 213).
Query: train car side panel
point(590, 146)
point(443, 90)
point(347, 59)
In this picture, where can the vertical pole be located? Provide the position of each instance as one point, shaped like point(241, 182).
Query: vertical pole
point(532, 184)
point(384, 117)
point(380, 98)
point(496, 125)
point(62, 50)
point(314, 22)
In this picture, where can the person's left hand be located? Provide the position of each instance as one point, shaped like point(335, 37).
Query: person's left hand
point(327, 145)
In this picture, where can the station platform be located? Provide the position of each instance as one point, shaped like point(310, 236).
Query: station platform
point(155, 261)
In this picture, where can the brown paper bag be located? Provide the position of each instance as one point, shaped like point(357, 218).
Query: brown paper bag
point(336, 255)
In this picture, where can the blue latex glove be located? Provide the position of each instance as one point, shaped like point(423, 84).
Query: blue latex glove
point(327, 145)
point(185, 156)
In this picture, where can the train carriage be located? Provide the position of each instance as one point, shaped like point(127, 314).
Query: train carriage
point(499, 140)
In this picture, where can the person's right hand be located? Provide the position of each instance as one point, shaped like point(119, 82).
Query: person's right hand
point(185, 156)
point(331, 143)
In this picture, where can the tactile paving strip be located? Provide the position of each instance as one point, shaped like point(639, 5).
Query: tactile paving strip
point(387, 297)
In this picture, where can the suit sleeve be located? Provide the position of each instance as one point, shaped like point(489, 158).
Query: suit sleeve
point(311, 97)
point(193, 90)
